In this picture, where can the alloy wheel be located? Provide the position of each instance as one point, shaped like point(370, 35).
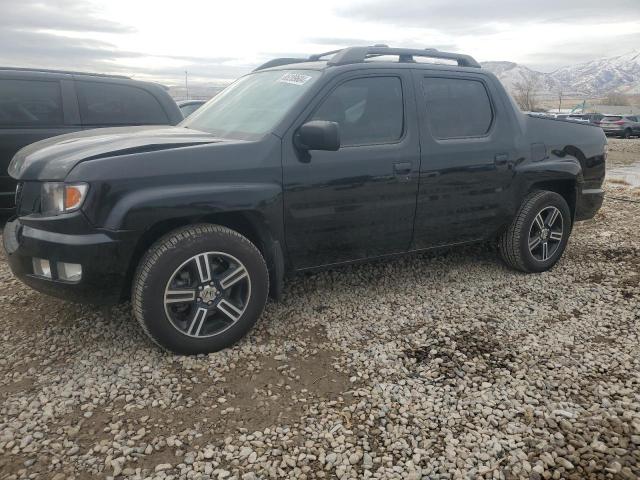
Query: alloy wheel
point(207, 294)
point(546, 233)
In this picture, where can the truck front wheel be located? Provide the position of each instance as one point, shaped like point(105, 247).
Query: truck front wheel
point(538, 234)
point(200, 289)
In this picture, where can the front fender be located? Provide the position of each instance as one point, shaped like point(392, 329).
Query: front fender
point(141, 209)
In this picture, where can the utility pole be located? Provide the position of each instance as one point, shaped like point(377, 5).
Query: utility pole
point(186, 83)
point(560, 101)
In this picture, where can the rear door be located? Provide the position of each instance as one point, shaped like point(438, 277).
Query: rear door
point(31, 110)
point(358, 202)
point(467, 158)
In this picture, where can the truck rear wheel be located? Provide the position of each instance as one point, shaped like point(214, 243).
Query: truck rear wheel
point(539, 233)
point(200, 289)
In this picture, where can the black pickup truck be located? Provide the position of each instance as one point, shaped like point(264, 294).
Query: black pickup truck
point(355, 154)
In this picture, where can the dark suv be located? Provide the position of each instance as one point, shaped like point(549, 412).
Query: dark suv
point(37, 104)
point(303, 164)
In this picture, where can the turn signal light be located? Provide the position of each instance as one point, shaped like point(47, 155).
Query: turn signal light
point(73, 196)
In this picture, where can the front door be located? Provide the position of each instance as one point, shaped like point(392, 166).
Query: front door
point(357, 202)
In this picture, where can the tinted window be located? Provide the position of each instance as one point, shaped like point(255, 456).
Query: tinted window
point(369, 110)
point(457, 108)
point(111, 104)
point(611, 118)
point(30, 103)
point(189, 109)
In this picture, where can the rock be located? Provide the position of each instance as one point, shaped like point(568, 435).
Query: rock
point(331, 458)
point(614, 467)
point(354, 458)
point(208, 453)
point(563, 462)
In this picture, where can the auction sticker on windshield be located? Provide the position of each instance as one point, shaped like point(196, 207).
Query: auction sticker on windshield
point(294, 78)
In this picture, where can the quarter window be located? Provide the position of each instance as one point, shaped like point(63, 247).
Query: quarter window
point(111, 104)
point(457, 108)
point(30, 103)
point(368, 110)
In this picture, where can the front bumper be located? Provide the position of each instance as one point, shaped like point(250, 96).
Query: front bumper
point(613, 130)
point(104, 258)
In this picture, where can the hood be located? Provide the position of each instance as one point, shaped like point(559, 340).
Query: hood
point(54, 158)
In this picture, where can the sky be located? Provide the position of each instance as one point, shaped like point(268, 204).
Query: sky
point(218, 41)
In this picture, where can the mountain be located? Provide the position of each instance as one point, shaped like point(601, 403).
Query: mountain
point(511, 73)
point(597, 77)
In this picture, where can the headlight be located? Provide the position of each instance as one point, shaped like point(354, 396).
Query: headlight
point(60, 197)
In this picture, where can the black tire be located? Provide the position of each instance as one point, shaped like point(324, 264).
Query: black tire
point(627, 133)
point(514, 243)
point(158, 268)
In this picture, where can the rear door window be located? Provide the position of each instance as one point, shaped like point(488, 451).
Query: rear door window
point(113, 104)
point(457, 107)
point(30, 103)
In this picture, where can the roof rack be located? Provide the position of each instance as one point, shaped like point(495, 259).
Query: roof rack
point(66, 72)
point(360, 54)
point(349, 55)
point(276, 62)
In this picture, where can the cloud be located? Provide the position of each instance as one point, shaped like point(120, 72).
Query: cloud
point(47, 50)
point(573, 52)
point(56, 15)
point(544, 34)
point(35, 34)
point(463, 15)
point(79, 35)
point(344, 41)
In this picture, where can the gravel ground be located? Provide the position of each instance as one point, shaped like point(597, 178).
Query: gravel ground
point(432, 366)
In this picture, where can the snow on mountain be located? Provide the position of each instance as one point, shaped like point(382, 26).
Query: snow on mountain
point(620, 73)
point(511, 73)
point(602, 75)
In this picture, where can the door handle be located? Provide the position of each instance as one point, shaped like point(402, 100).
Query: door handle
point(402, 168)
point(501, 159)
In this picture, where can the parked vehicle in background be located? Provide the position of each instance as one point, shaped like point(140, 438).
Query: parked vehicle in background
point(300, 165)
point(577, 117)
point(594, 118)
point(624, 126)
point(187, 107)
point(37, 104)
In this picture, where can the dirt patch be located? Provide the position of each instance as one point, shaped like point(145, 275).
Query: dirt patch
point(279, 391)
point(603, 340)
point(450, 354)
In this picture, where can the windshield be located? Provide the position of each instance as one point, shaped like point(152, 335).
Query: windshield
point(253, 105)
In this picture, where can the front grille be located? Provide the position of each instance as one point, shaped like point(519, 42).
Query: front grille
point(18, 197)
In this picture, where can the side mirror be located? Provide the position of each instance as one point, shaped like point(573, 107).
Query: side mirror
point(318, 135)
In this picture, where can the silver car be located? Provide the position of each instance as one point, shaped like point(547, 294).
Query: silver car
point(624, 126)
